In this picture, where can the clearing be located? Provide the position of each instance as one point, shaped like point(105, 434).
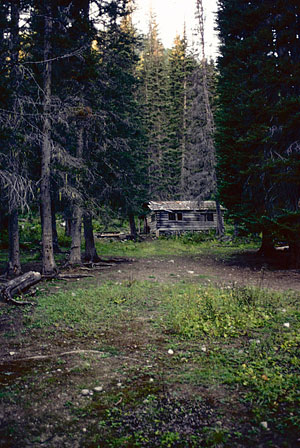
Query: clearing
point(181, 346)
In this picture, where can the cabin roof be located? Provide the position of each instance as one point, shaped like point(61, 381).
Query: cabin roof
point(181, 205)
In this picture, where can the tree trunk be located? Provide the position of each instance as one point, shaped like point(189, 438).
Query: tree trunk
point(146, 229)
point(294, 254)
point(236, 231)
point(220, 223)
point(68, 222)
point(75, 255)
point(184, 125)
point(14, 264)
point(133, 232)
point(267, 245)
point(48, 266)
point(56, 247)
point(90, 249)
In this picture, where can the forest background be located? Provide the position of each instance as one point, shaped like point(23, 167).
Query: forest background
point(95, 120)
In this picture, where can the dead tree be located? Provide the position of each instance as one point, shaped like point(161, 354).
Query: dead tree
point(210, 124)
point(14, 263)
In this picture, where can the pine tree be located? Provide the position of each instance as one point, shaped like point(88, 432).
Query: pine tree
point(119, 155)
point(152, 72)
point(13, 165)
point(174, 154)
point(258, 140)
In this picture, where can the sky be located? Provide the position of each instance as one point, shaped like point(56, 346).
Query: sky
point(171, 15)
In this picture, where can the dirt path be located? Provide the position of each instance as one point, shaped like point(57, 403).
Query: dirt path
point(243, 270)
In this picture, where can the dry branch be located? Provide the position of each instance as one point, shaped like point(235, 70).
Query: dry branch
point(70, 276)
point(57, 355)
point(97, 265)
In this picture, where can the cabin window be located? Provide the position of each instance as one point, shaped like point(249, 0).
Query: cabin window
point(210, 217)
point(175, 216)
point(153, 217)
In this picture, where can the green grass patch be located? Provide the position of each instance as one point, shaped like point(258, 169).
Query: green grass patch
point(86, 310)
point(169, 247)
point(194, 310)
point(250, 336)
point(250, 340)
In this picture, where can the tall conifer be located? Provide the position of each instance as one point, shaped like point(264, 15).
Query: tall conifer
point(257, 137)
point(152, 72)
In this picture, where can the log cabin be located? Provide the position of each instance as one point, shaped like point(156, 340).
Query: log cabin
point(175, 217)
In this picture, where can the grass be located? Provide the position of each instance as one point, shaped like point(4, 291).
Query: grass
point(229, 337)
point(168, 247)
point(86, 310)
point(196, 311)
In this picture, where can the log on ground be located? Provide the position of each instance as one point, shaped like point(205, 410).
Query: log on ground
point(18, 285)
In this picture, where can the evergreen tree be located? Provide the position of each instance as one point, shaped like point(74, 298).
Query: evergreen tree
point(174, 155)
point(200, 173)
point(152, 72)
point(13, 164)
point(119, 154)
point(258, 140)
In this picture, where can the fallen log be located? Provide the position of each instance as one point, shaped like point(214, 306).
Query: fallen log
point(18, 285)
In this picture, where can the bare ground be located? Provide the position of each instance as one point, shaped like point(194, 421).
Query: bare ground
point(246, 269)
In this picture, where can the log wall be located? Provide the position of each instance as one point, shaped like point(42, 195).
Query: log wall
point(192, 221)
